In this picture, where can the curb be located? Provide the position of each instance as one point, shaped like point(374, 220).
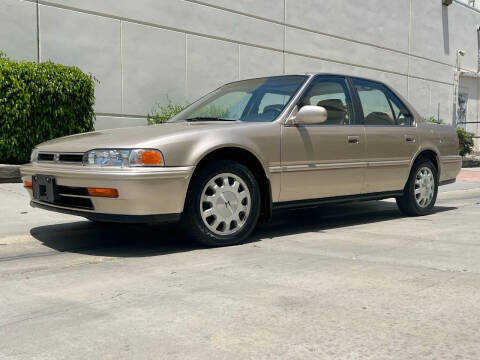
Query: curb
point(470, 163)
point(10, 174)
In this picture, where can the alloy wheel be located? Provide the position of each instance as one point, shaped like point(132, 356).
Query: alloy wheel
point(225, 204)
point(424, 187)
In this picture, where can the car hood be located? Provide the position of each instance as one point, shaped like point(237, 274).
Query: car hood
point(134, 137)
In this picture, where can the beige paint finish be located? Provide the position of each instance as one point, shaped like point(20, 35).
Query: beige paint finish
point(390, 150)
point(141, 191)
point(300, 161)
point(318, 161)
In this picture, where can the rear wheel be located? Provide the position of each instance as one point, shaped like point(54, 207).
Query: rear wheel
point(421, 190)
point(223, 204)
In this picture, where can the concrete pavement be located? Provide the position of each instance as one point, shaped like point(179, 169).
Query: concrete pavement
point(355, 281)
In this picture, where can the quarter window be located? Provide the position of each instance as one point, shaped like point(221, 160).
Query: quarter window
point(380, 106)
point(332, 94)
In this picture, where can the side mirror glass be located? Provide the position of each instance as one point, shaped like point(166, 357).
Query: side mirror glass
point(309, 114)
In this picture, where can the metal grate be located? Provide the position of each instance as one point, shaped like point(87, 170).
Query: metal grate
point(60, 157)
point(45, 157)
point(70, 157)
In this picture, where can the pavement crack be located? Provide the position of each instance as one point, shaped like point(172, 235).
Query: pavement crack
point(439, 282)
point(64, 310)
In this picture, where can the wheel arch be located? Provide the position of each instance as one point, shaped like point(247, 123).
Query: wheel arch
point(429, 154)
point(248, 159)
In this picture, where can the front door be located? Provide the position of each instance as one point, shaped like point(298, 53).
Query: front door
point(328, 159)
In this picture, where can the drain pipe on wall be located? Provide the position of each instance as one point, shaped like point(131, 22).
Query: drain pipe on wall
point(478, 47)
point(456, 85)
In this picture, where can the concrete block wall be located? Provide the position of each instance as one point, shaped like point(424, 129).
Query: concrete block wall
point(143, 50)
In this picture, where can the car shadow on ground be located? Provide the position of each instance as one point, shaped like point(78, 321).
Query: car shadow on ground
point(124, 240)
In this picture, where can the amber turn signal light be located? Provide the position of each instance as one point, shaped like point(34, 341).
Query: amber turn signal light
point(102, 192)
point(28, 184)
point(151, 157)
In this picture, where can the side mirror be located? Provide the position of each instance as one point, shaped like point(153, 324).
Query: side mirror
point(310, 115)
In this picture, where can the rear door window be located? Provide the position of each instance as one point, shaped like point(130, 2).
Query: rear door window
point(380, 106)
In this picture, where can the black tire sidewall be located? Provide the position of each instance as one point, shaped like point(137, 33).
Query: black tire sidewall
point(193, 221)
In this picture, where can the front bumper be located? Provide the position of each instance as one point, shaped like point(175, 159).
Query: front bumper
point(143, 192)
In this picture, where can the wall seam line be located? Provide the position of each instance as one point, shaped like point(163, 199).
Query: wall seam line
point(122, 69)
point(186, 67)
point(96, 13)
point(38, 31)
point(409, 48)
point(284, 34)
point(279, 50)
point(367, 67)
point(239, 70)
point(133, 116)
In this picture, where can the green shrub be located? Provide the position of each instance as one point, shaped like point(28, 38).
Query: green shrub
point(434, 120)
point(161, 113)
point(213, 111)
point(466, 141)
point(39, 102)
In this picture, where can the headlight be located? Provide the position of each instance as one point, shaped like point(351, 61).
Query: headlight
point(34, 155)
point(123, 158)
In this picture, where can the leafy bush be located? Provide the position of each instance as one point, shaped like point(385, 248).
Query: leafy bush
point(434, 120)
point(161, 113)
point(212, 111)
point(39, 102)
point(466, 141)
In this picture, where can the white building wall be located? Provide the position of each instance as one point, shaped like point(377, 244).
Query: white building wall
point(143, 50)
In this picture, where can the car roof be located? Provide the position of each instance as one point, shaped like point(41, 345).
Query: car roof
point(343, 75)
point(311, 74)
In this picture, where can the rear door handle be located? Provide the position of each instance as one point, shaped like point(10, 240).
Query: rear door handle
point(410, 138)
point(353, 139)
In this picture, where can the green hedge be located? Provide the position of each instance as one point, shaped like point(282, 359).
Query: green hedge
point(39, 102)
point(466, 141)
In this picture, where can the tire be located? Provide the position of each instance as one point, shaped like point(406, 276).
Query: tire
point(421, 190)
point(222, 205)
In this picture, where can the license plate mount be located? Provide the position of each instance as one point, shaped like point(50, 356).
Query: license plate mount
point(44, 188)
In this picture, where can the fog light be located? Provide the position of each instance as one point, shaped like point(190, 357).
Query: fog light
point(102, 192)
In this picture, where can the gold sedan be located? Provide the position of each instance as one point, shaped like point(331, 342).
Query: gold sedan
point(247, 149)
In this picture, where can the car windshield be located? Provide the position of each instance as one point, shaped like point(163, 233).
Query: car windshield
point(256, 100)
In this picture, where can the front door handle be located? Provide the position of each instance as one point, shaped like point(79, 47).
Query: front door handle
point(353, 139)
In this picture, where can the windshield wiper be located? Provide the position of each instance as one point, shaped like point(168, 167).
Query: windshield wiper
point(208, 119)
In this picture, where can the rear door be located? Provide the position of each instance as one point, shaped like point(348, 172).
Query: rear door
point(391, 136)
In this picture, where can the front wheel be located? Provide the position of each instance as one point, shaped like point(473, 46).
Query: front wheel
point(421, 190)
point(223, 204)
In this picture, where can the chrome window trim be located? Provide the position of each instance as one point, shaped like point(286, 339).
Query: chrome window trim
point(287, 111)
point(414, 120)
point(303, 90)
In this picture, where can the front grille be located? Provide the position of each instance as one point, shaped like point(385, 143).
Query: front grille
point(74, 202)
point(70, 157)
point(70, 190)
point(75, 158)
point(45, 157)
